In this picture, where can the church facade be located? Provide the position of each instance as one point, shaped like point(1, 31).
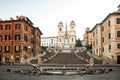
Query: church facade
point(65, 39)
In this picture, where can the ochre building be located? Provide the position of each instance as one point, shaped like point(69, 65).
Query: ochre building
point(106, 37)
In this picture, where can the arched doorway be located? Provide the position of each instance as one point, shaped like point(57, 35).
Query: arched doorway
point(118, 59)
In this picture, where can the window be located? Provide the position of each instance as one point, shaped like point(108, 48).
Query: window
point(1, 27)
point(17, 37)
point(109, 35)
point(108, 23)
point(25, 48)
point(96, 50)
point(7, 48)
point(60, 29)
point(7, 37)
point(59, 40)
point(118, 20)
point(102, 28)
point(25, 38)
point(72, 39)
point(32, 31)
point(25, 28)
point(118, 45)
point(17, 59)
point(96, 41)
point(32, 50)
point(17, 48)
point(17, 26)
point(96, 31)
point(93, 34)
point(102, 39)
point(0, 48)
point(7, 59)
point(32, 41)
point(37, 34)
point(103, 49)
point(0, 38)
point(109, 47)
point(7, 27)
point(51, 39)
point(118, 33)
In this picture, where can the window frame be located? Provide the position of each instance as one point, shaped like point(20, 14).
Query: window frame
point(17, 48)
point(7, 37)
point(17, 37)
point(118, 35)
point(7, 27)
point(25, 27)
point(25, 48)
point(7, 50)
point(25, 38)
point(17, 26)
point(0, 48)
point(117, 20)
point(118, 45)
point(1, 27)
point(109, 47)
point(109, 23)
point(109, 35)
point(0, 37)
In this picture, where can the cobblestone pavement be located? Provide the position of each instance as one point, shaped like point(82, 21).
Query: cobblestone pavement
point(4, 75)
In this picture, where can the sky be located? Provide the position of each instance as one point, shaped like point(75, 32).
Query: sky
point(46, 14)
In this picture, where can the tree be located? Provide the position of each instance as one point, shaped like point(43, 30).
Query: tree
point(44, 48)
point(89, 46)
point(78, 43)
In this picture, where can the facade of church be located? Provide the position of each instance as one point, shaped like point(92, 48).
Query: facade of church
point(65, 39)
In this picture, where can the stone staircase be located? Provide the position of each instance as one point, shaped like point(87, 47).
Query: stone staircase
point(43, 58)
point(65, 58)
point(85, 56)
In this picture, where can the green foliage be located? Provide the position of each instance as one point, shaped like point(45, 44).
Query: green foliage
point(44, 48)
point(89, 46)
point(78, 43)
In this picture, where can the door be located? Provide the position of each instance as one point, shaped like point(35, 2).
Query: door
point(118, 59)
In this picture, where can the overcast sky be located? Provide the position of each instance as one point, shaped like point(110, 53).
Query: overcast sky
point(46, 14)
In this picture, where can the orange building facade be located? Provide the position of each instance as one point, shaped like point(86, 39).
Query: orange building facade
point(106, 37)
point(18, 38)
point(87, 39)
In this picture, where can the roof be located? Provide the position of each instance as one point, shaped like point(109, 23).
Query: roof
point(115, 13)
point(95, 27)
point(110, 14)
point(39, 30)
point(24, 19)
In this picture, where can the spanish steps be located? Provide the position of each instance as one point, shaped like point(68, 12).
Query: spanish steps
point(66, 58)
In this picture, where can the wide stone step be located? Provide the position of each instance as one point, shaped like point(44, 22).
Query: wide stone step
point(66, 59)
